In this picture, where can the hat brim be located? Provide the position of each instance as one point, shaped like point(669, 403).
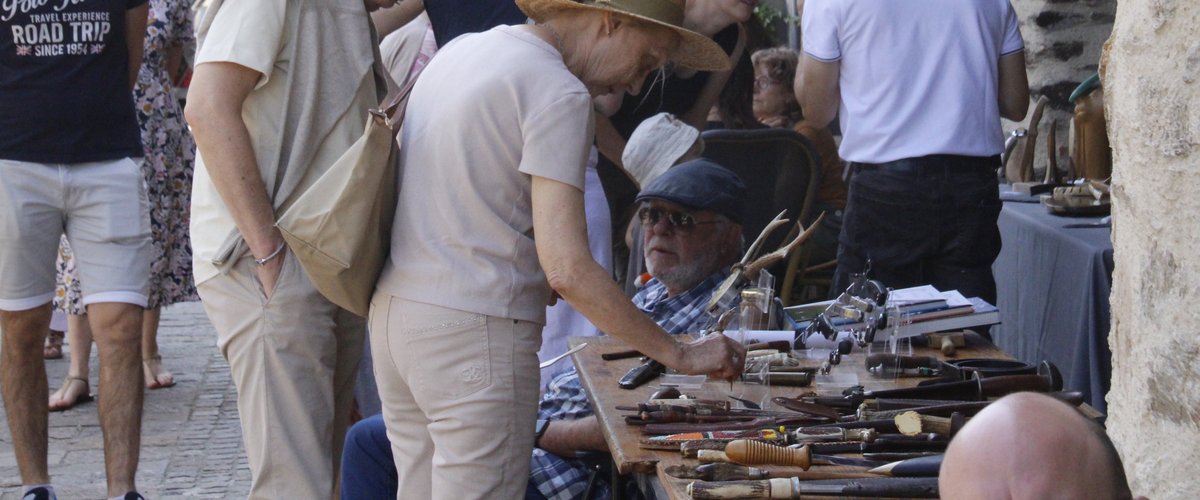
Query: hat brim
point(695, 51)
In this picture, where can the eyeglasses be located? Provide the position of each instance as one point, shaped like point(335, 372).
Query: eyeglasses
point(761, 84)
point(679, 221)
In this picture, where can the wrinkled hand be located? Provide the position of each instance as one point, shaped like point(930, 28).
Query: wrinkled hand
point(715, 355)
point(268, 274)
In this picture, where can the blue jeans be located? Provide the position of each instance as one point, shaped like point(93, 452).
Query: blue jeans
point(927, 220)
point(368, 472)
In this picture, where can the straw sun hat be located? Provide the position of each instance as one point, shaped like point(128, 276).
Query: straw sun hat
point(695, 51)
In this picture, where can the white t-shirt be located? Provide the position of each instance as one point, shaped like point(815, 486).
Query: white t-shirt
point(490, 111)
point(917, 77)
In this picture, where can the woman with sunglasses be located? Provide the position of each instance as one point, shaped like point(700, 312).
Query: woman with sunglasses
point(775, 105)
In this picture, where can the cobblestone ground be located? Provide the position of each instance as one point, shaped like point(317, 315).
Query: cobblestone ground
point(191, 439)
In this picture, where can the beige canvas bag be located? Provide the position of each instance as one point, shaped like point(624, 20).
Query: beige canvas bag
point(340, 228)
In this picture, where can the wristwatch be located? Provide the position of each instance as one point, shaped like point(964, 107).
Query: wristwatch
point(538, 430)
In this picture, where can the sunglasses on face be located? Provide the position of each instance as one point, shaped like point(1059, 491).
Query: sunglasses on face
point(682, 222)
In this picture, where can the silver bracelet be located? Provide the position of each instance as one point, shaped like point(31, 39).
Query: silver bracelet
point(263, 261)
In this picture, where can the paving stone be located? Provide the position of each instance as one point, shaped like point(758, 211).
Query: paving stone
point(191, 436)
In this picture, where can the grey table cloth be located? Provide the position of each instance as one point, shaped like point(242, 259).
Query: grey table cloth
point(1052, 286)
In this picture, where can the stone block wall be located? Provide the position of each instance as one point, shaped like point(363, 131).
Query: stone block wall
point(1153, 105)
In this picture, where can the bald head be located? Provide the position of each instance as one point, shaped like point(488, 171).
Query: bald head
point(1028, 446)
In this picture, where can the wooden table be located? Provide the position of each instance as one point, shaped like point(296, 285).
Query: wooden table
point(600, 377)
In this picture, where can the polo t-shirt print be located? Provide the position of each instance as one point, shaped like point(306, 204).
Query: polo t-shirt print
point(64, 81)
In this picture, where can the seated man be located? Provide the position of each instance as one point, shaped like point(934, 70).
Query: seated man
point(691, 218)
point(999, 455)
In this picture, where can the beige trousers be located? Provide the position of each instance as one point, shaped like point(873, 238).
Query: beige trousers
point(293, 360)
point(460, 393)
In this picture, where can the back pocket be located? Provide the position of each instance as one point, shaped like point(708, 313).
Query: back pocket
point(452, 359)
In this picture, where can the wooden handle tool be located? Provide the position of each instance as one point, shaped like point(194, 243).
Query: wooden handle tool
point(747, 452)
point(912, 423)
point(922, 487)
point(722, 490)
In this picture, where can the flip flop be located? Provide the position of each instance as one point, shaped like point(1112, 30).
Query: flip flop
point(83, 397)
point(153, 379)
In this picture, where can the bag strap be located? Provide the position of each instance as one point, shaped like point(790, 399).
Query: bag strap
point(393, 113)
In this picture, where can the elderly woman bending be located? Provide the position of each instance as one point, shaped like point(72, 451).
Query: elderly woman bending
point(490, 220)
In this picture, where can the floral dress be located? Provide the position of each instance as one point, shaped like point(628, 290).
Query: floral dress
point(169, 160)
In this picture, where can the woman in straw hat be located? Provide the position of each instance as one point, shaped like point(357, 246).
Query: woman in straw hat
point(492, 152)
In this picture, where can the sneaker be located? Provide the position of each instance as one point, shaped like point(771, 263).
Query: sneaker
point(39, 493)
point(133, 495)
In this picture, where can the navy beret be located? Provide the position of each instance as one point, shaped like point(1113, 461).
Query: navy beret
point(700, 184)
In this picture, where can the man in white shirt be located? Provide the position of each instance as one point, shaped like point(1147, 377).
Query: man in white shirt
point(919, 89)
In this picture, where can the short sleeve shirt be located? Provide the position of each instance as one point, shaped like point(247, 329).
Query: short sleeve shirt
point(255, 34)
point(490, 112)
point(452, 18)
point(916, 78)
point(64, 82)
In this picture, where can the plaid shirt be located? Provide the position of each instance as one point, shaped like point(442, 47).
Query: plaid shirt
point(561, 478)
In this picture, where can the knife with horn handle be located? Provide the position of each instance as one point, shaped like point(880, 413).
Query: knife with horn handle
point(882, 426)
point(912, 423)
point(889, 408)
point(717, 472)
point(927, 466)
point(830, 434)
point(794, 488)
point(1048, 379)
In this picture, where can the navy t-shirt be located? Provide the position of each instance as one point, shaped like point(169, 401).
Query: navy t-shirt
point(64, 82)
point(451, 18)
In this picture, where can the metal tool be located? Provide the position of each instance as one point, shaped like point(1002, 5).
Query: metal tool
point(547, 363)
point(912, 423)
point(641, 374)
point(795, 488)
point(927, 466)
point(717, 472)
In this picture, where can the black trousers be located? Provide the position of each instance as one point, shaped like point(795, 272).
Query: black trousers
point(923, 220)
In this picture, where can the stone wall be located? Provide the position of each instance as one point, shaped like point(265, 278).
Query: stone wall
point(1153, 101)
point(1063, 40)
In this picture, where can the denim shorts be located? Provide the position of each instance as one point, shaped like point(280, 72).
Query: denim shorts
point(102, 208)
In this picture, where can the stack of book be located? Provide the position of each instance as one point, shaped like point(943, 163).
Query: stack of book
point(924, 309)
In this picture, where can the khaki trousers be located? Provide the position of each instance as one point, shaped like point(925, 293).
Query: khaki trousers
point(460, 394)
point(293, 360)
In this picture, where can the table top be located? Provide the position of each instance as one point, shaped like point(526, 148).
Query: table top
point(600, 377)
point(1096, 237)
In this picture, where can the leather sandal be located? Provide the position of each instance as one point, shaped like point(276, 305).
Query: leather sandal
point(54, 345)
point(62, 392)
point(159, 379)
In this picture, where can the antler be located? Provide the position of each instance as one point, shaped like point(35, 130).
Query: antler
point(762, 236)
point(752, 269)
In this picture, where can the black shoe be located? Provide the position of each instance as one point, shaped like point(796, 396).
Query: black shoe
point(39, 493)
point(133, 495)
